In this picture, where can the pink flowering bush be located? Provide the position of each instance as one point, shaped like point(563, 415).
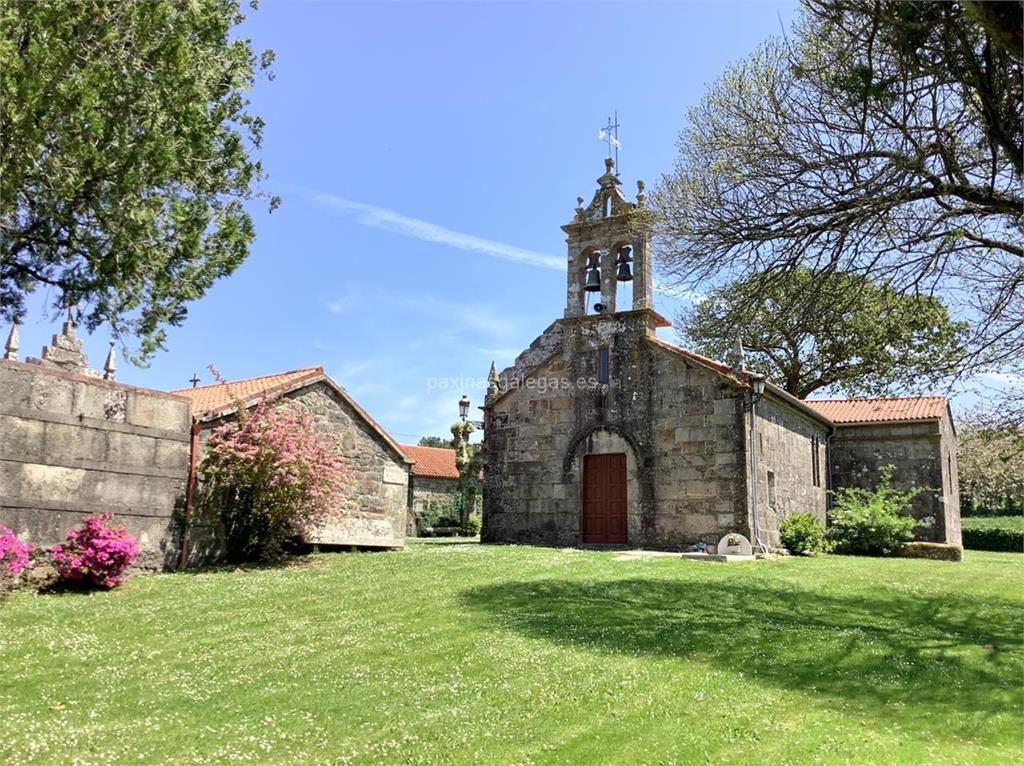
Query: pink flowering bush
point(272, 477)
point(97, 552)
point(13, 554)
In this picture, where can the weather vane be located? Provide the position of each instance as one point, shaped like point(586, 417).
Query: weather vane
point(610, 135)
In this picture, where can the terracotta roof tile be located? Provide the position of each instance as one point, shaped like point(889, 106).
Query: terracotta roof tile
point(218, 397)
point(878, 410)
point(435, 462)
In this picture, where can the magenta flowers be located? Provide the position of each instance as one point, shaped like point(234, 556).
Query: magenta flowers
point(13, 553)
point(272, 476)
point(97, 551)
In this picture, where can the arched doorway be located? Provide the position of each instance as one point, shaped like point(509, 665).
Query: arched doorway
point(602, 479)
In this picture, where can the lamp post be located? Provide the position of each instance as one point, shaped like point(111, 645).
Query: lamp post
point(757, 382)
point(466, 460)
point(464, 413)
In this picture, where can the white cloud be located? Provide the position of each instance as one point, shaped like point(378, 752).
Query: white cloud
point(398, 223)
point(391, 220)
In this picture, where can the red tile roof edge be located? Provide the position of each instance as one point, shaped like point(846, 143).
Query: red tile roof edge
point(939, 407)
point(312, 375)
point(428, 460)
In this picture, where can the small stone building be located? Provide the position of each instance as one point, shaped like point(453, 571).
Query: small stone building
point(914, 434)
point(602, 433)
point(374, 515)
point(433, 480)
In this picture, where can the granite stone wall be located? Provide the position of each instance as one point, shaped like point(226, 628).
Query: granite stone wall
point(924, 454)
point(425, 490)
point(72, 446)
point(679, 425)
point(374, 513)
point(786, 442)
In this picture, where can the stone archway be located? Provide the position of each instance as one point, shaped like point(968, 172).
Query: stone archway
point(606, 440)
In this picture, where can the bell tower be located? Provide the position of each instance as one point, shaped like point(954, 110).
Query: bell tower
point(609, 246)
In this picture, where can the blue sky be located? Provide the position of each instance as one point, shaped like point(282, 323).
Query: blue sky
point(426, 155)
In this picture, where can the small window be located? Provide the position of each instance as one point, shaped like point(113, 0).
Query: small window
point(602, 365)
point(816, 460)
point(773, 501)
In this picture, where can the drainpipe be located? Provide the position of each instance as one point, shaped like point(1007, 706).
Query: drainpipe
point(190, 491)
point(755, 395)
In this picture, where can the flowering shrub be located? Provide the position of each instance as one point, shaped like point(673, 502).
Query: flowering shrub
point(97, 551)
point(13, 553)
point(272, 477)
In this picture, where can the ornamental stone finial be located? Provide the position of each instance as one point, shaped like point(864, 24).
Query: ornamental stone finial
point(492, 381)
point(738, 360)
point(13, 342)
point(641, 195)
point(110, 366)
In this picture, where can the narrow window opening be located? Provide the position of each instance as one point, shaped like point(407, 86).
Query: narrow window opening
point(602, 365)
point(816, 460)
point(772, 499)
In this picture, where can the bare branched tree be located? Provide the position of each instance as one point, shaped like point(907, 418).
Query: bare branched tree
point(880, 138)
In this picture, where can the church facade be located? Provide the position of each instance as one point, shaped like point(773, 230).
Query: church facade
point(603, 433)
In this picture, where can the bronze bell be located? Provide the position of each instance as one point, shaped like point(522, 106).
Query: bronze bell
point(593, 280)
point(624, 274)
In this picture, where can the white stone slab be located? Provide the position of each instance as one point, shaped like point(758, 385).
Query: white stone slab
point(375, 533)
point(395, 475)
point(734, 544)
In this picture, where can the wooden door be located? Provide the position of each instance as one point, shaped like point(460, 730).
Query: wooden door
point(604, 498)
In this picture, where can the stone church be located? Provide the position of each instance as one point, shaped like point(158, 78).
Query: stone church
point(603, 433)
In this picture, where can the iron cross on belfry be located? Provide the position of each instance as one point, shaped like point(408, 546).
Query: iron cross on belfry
point(610, 135)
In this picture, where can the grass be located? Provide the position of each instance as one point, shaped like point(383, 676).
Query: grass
point(1016, 523)
point(469, 654)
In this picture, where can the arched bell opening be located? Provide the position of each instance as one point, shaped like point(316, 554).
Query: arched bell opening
point(623, 265)
point(591, 273)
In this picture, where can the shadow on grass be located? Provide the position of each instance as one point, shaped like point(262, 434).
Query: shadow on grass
point(926, 660)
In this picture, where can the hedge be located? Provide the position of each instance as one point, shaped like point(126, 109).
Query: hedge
point(993, 539)
point(937, 551)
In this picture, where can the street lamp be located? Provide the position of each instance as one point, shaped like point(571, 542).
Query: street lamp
point(464, 412)
point(758, 381)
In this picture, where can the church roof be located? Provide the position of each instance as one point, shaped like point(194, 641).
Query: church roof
point(705, 361)
point(895, 408)
point(432, 462)
point(221, 399)
point(742, 378)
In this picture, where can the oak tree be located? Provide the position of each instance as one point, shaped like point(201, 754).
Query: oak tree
point(809, 332)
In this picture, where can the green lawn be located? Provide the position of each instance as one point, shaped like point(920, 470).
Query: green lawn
point(469, 654)
point(1015, 523)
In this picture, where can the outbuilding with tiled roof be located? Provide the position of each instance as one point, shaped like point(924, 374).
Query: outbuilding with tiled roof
point(374, 513)
point(433, 484)
point(914, 434)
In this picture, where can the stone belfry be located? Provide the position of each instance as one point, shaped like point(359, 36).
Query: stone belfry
point(607, 234)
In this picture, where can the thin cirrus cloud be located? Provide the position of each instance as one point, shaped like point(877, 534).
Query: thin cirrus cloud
point(391, 220)
point(398, 223)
